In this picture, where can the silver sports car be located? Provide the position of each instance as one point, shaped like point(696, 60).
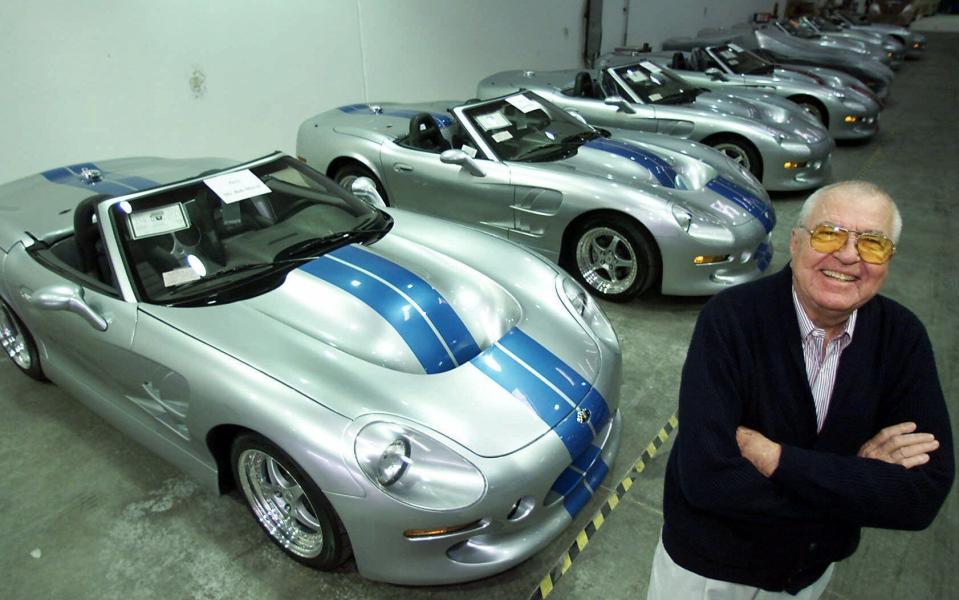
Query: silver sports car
point(622, 212)
point(838, 100)
point(894, 50)
point(778, 142)
point(914, 42)
point(343, 366)
point(773, 44)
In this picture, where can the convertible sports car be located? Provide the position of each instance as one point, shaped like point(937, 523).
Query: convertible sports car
point(914, 42)
point(819, 27)
point(621, 212)
point(778, 46)
point(777, 142)
point(343, 366)
point(837, 100)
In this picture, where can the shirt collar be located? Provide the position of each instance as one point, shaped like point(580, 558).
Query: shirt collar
point(807, 328)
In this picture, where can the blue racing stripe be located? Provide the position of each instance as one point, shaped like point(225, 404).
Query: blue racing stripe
point(746, 199)
point(577, 499)
point(660, 169)
point(110, 184)
point(547, 364)
point(577, 436)
point(566, 481)
point(408, 322)
point(437, 309)
point(518, 381)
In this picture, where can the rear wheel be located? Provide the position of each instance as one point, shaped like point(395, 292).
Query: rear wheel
point(18, 344)
point(741, 151)
point(348, 173)
point(614, 258)
point(286, 503)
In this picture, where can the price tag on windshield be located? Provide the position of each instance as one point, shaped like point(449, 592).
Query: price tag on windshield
point(655, 97)
point(165, 219)
point(502, 136)
point(636, 76)
point(734, 48)
point(493, 120)
point(652, 68)
point(523, 103)
point(237, 186)
point(728, 54)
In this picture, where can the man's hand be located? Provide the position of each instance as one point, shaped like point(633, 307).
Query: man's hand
point(761, 451)
point(897, 444)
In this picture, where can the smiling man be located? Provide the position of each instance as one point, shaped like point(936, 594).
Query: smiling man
point(810, 408)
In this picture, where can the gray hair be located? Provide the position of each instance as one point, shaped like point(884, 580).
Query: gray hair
point(855, 188)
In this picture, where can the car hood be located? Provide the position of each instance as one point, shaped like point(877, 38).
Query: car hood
point(362, 352)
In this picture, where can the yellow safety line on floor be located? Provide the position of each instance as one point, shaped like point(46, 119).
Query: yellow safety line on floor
point(564, 563)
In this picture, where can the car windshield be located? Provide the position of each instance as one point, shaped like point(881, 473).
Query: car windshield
point(236, 235)
point(793, 28)
point(742, 61)
point(527, 128)
point(654, 85)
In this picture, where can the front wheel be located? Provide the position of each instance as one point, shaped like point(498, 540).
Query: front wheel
point(614, 258)
point(18, 344)
point(286, 503)
point(347, 174)
point(742, 152)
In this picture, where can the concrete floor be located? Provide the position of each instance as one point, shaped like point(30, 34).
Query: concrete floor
point(86, 513)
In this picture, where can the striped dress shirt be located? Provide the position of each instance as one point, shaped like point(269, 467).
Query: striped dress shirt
point(821, 363)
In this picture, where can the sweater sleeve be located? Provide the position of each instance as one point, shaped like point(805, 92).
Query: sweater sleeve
point(713, 475)
point(873, 493)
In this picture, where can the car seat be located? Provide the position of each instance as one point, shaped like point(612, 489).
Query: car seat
point(425, 134)
point(679, 62)
point(583, 86)
point(86, 234)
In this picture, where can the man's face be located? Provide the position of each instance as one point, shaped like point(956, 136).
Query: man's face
point(831, 286)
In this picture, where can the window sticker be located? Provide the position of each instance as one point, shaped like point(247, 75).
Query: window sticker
point(180, 276)
point(733, 62)
point(159, 221)
point(237, 186)
point(727, 54)
point(652, 68)
point(655, 97)
point(523, 103)
point(502, 136)
point(469, 150)
point(734, 48)
point(636, 76)
point(493, 120)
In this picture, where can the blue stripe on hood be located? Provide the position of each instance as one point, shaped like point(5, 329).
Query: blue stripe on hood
point(369, 278)
point(110, 183)
point(442, 121)
point(746, 199)
point(661, 170)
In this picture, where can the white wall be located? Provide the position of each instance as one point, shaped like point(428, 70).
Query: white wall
point(653, 21)
point(98, 79)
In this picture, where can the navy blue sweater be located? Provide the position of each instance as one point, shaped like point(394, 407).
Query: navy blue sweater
point(724, 519)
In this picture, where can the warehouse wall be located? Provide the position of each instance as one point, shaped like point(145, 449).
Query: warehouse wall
point(106, 78)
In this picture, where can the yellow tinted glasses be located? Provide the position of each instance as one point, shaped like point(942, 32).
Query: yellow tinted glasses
point(873, 246)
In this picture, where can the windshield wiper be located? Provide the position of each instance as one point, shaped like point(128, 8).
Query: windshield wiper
point(581, 138)
point(315, 247)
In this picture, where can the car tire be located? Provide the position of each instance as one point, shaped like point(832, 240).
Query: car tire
point(614, 258)
point(348, 173)
point(813, 107)
point(18, 344)
point(287, 504)
point(741, 151)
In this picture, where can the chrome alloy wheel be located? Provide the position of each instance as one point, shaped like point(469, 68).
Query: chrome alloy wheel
point(280, 504)
point(607, 260)
point(735, 152)
point(13, 340)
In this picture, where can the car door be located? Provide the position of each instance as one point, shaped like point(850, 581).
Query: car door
point(417, 180)
point(119, 376)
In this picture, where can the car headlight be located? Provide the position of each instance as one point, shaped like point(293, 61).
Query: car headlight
point(584, 308)
point(416, 469)
point(701, 225)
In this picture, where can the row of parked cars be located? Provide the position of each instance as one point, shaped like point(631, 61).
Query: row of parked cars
point(346, 338)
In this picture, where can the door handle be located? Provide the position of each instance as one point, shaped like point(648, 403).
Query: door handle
point(402, 168)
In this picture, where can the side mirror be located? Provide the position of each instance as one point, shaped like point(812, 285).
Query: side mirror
point(620, 104)
point(458, 157)
point(365, 189)
point(70, 299)
point(715, 74)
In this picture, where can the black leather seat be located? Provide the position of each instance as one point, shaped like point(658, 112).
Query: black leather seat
point(679, 62)
point(425, 134)
point(86, 235)
point(583, 86)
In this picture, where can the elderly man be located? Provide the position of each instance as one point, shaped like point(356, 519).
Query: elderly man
point(810, 407)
